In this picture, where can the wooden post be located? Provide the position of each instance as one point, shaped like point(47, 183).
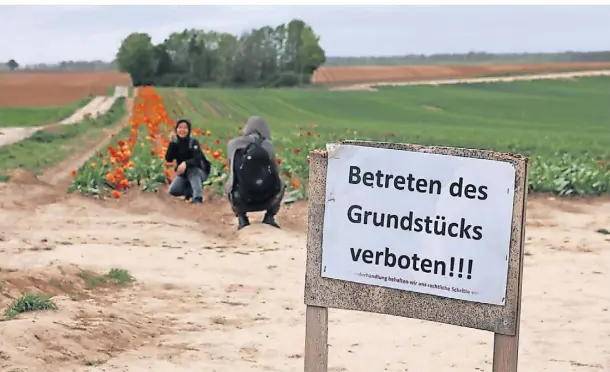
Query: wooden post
point(506, 348)
point(316, 339)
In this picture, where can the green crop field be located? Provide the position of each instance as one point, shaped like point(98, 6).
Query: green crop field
point(34, 116)
point(564, 125)
point(533, 118)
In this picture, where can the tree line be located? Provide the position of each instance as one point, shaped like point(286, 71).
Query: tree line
point(470, 58)
point(285, 55)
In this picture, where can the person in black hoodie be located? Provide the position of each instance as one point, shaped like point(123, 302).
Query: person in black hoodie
point(192, 167)
point(254, 182)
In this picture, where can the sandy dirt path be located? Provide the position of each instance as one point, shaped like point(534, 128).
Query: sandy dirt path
point(96, 107)
point(208, 298)
point(499, 79)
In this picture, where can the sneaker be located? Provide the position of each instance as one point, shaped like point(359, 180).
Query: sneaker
point(197, 200)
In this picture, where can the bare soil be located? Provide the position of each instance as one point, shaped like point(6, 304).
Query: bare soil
point(370, 74)
point(31, 89)
point(209, 298)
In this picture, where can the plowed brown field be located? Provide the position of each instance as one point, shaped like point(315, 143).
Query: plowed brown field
point(56, 88)
point(356, 74)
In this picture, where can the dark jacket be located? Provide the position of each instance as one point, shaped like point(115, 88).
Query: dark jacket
point(187, 150)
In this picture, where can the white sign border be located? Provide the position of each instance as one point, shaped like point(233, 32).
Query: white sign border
point(335, 148)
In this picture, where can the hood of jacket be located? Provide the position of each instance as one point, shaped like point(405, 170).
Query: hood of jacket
point(257, 124)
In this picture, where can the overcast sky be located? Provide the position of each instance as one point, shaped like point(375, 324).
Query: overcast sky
point(34, 34)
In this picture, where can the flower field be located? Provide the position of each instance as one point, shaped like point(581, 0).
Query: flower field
point(136, 157)
point(562, 126)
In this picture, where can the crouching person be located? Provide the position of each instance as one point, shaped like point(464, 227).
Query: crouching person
point(254, 182)
point(192, 167)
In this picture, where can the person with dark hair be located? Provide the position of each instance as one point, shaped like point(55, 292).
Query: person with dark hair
point(254, 182)
point(192, 167)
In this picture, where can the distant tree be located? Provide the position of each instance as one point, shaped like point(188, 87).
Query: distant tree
point(12, 65)
point(136, 56)
point(471, 57)
point(310, 52)
point(285, 55)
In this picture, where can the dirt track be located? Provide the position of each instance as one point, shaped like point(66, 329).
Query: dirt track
point(96, 107)
point(552, 76)
point(210, 299)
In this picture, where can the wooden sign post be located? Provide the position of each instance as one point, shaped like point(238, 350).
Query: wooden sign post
point(430, 233)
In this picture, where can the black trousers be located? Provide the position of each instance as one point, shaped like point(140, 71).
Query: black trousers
point(241, 207)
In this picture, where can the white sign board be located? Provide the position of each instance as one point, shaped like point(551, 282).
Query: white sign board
point(419, 222)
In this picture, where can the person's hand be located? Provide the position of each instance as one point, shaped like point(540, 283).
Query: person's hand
point(172, 136)
point(181, 168)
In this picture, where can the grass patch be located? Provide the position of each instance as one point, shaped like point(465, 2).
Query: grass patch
point(93, 281)
point(28, 303)
point(35, 116)
point(120, 276)
point(114, 276)
point(50, 146)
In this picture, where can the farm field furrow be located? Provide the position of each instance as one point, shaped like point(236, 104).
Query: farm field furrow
point(33, 89)
point(355, 74)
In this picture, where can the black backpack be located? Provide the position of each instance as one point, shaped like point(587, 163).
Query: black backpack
point(256, 175)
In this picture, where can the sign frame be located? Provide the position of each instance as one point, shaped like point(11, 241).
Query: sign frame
point(322, 293)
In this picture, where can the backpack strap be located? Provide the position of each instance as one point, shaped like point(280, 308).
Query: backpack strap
point(205, 163)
